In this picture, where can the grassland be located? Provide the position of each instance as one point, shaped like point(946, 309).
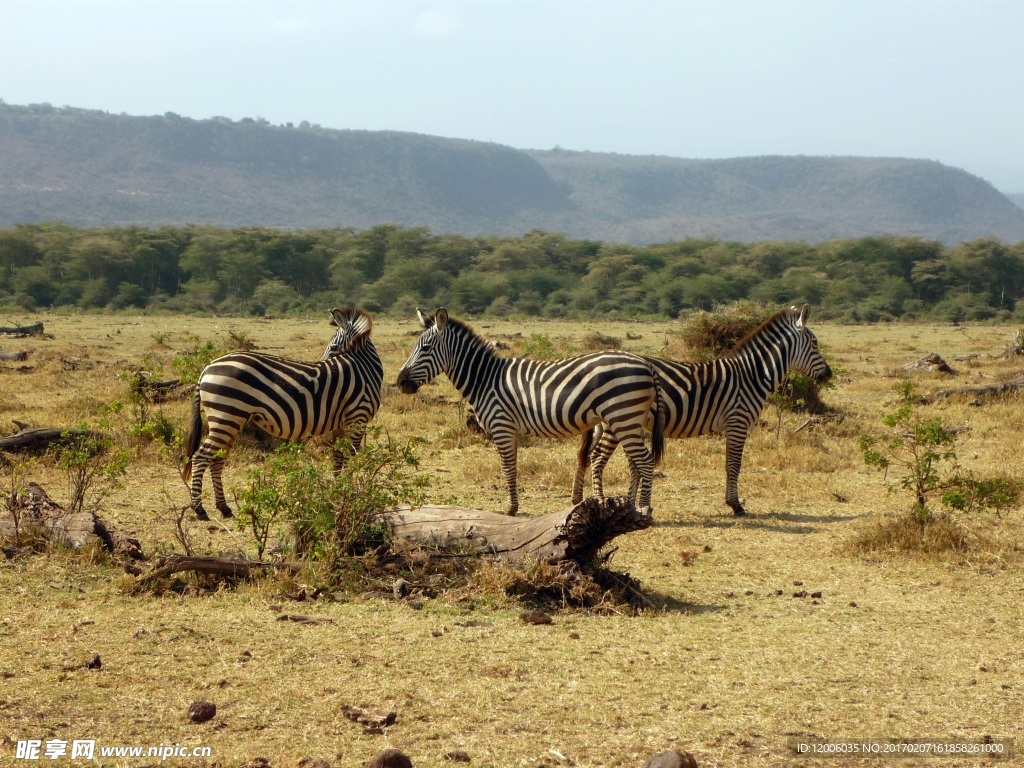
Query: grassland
point(728, 665)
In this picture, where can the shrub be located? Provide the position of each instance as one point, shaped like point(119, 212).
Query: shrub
point(328, 515)
point(923, 453)
point(708, 335)
point(92, 466)
point(189, 363)
point(595, 341)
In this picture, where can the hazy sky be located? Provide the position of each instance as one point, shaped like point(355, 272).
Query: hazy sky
point(936, 79)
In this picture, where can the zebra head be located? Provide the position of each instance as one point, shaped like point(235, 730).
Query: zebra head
point(353, 325)
point(805, 355)
point(430, 355)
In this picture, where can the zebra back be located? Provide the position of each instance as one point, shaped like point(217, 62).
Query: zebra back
point(547, 398)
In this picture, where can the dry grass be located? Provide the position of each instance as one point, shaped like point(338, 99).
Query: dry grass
point(727, 664)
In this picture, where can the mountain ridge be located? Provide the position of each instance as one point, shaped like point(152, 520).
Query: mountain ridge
point(91, 168)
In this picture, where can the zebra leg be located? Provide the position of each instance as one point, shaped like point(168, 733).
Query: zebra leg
point(735, 438)
point(355, 437)
point(199, 464)
point(210, 455)
point(507, 443)
point(216, 474)
point(641, 462)
point(582, 465)
point(599, 460)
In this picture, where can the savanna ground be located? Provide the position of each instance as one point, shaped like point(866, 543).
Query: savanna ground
point(727, 664)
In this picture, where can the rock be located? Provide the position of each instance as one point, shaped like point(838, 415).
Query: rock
point(373, 720)
point(672, 759)
point(390, 758)
point(457, 756)
point(400, 588)
point(535, 617)
point(201, 711)
point(313, 762)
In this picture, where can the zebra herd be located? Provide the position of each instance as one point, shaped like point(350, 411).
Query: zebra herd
point(606, 398)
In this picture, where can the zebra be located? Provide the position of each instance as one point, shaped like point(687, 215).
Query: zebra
point(291, 399)
point(564, 398)
point(724, 395)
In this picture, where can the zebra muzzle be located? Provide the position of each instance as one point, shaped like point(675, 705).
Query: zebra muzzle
point(406, 384)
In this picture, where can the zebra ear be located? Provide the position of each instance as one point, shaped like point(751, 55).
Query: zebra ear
point(338, 318)
point(805, 313)
point(441, 319)
point(424, 319)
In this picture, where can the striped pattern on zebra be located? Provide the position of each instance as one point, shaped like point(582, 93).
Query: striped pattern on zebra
point(516, 396)
point(290, 399)
point(725, 395)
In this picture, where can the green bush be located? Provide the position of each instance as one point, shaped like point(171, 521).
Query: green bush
point(189, 363)
point(328, 515)
point(923, 453)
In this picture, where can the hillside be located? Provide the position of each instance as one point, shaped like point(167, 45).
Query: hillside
point(90, 168)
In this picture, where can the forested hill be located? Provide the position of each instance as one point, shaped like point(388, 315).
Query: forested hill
point(90, 168)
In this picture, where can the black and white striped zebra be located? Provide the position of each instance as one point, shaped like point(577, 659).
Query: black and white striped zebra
point(564, 398)
point(290, 399)
point(725, 395)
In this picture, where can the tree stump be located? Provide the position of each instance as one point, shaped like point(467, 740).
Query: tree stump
point(577, 533)
point(32, 510)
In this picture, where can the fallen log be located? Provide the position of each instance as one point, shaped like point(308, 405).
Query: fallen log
point(37, 438)
point(577, 533)
point(991, 390)
point(16, 356)
point(32, 511)
point(20, 331)
point(220, 566)
point(932, 363)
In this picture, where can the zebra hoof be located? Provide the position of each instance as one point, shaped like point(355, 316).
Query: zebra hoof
point(225, 512)
point(200, 512)
point(738, 510)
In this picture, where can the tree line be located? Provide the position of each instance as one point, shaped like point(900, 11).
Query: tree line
point(393, 269)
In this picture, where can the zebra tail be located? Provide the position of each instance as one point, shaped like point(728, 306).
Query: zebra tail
point(583, 454)
point(658, 430)
point(195, 436)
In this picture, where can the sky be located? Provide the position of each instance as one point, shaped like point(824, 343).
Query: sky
point(934, 79)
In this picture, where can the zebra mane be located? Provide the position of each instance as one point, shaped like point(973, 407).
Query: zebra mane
point(360, 322)
point(464, 329)
point(786, 316)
